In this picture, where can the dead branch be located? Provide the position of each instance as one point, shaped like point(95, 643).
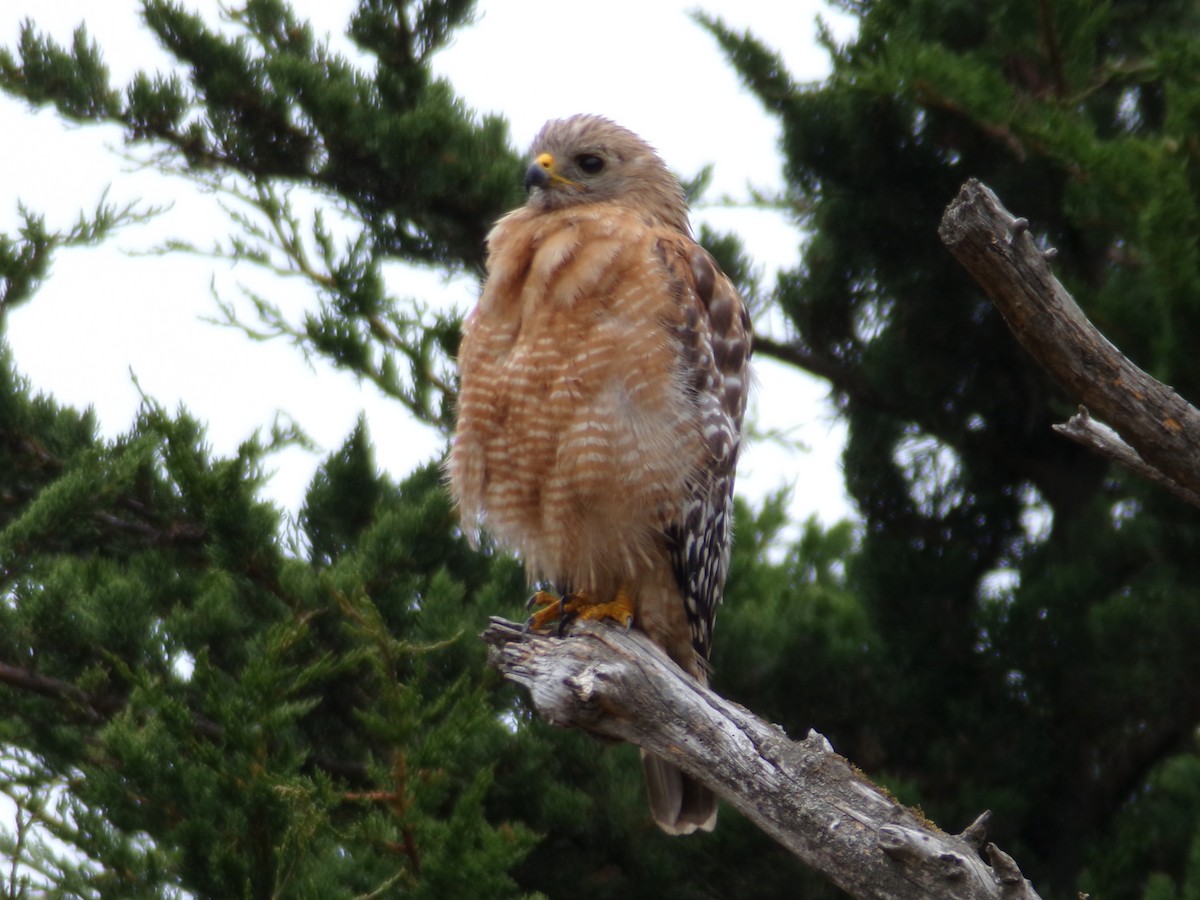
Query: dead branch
point(615, 683)
point(1083, 429)
point(1161, 427)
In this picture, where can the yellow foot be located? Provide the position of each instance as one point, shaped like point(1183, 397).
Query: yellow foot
point(579, 605)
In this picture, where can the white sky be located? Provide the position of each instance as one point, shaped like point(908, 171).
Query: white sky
point(105, 313)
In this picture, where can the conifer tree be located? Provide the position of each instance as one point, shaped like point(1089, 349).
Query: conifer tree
point(197, 697)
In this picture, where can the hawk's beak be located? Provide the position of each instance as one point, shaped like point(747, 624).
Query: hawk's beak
point(543, 173)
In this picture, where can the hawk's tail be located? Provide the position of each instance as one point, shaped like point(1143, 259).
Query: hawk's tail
point(679, 803)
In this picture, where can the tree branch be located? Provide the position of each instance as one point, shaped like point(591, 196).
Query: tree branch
point(821, 365)
point(1083, 429)
point(996, 248)
point(615, 683)
point(79, 700)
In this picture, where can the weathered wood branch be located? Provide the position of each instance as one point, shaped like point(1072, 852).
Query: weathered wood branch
point(1161, 427)
point(616, 683)
point(1083, 429)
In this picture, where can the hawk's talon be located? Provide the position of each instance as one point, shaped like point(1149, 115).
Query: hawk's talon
point(540, 598)
point(579, 605)
point(549, 608)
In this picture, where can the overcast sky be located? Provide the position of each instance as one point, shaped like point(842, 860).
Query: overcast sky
point(108, 314)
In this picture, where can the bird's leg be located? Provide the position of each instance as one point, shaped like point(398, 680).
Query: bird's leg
point(579, 605)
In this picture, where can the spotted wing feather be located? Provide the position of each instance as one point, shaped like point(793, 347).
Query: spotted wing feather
point(715, 340)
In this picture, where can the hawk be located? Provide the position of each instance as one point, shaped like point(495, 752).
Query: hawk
point(604, 382)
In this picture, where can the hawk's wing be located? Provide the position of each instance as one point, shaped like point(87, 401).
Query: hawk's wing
point(715, 340)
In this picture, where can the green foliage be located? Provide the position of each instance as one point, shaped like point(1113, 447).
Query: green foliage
point(276, 726)
point(75, 80)
point(25, 260)
point(199, 697)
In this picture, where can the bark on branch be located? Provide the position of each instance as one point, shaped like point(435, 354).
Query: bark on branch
point(1159, 431)
point(615, 683)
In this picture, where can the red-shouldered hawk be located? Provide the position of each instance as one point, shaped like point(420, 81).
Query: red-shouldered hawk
point(604, 381)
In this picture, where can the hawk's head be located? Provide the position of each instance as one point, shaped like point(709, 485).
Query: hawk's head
point(588, 159)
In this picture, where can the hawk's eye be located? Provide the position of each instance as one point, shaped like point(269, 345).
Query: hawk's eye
point(590, 163)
